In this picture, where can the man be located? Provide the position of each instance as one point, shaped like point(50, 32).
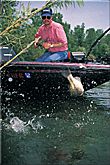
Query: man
point(55, 43)
point(54, 37)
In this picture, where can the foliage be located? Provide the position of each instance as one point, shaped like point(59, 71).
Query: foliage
point(23, 31)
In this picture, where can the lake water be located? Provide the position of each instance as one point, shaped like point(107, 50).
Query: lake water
point(57, 130)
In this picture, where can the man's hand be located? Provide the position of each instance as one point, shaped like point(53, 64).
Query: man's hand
point(36, 42)
point(46, 45)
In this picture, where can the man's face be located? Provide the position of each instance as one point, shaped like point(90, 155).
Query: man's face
point(47, 19)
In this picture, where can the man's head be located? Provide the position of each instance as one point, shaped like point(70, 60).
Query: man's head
point(47, 16)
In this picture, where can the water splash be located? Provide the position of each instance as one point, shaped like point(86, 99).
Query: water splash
point(17, 125)
point(20, 126)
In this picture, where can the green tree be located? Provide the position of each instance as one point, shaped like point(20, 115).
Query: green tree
point(79, 36)
point(90, 38)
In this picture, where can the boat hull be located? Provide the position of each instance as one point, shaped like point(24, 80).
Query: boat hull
point(48, 76)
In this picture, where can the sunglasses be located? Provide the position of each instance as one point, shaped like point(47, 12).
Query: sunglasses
point(44, 17)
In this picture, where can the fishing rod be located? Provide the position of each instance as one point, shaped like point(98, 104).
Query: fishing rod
point(96, 41)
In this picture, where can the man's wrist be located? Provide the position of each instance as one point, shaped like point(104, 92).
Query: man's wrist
point(51, 46)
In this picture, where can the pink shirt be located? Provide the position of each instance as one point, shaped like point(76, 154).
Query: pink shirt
point(54, 33)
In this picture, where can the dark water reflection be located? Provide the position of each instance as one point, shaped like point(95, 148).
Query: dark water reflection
point(74, 131)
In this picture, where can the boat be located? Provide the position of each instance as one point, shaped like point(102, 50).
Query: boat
point(48, 76)
point(45, 77)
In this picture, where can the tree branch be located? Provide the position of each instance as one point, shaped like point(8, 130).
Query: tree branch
point(20, 20)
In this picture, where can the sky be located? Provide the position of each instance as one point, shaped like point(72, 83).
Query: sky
point(95, 13)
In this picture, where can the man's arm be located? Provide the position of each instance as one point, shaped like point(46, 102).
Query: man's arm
point(47, 45)
point(59, 44)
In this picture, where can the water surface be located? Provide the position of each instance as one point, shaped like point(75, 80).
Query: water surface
point(63, 130)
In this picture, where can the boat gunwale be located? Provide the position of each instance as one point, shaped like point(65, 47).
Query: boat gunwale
point(61, 64)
